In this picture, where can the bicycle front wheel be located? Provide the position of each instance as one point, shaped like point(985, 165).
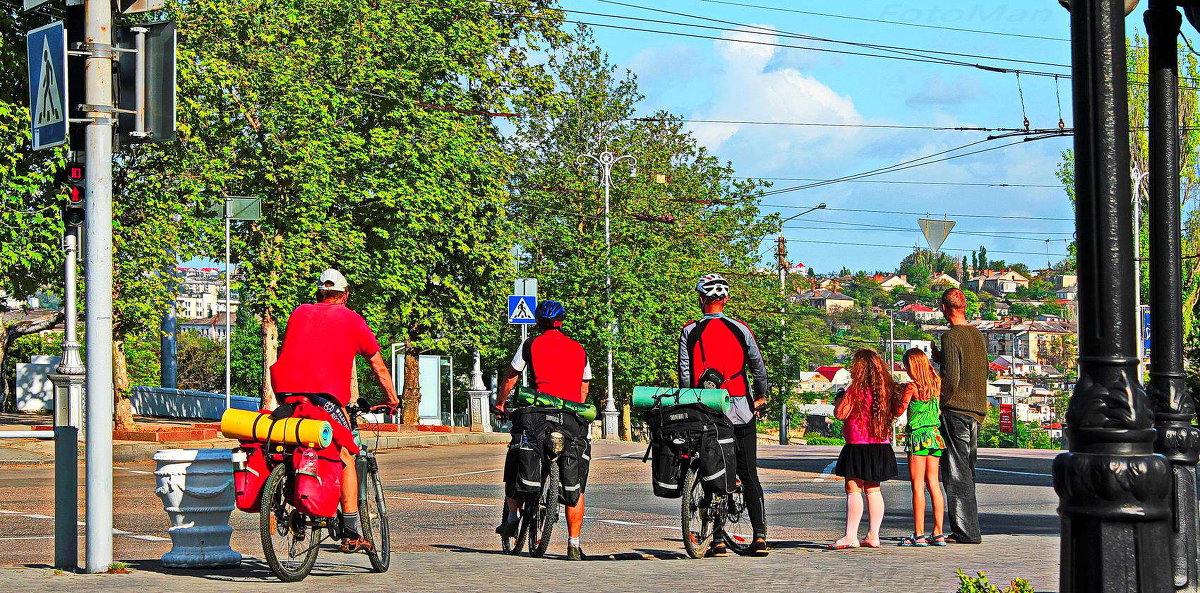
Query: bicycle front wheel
point(737, 536)
point(545, 513)
point(375, 519)
point(512, 545)
point(695, 515)
point(290, 544)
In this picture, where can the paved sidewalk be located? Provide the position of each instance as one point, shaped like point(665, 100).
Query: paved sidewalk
point(793, 566)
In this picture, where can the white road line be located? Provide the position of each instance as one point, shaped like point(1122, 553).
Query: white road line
point(1005, 471)
point(617, 522)
point(149, 538)
point(588, 517)
point(482, 471)
point(36, 516)
point(825, 473)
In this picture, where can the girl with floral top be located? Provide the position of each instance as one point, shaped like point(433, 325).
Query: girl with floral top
point(924, 445)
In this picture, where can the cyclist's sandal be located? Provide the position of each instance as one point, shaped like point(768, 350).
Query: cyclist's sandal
point(717, 549)
point(938, 540)
point(352, 546)
point(759, 547)
point(915, 541)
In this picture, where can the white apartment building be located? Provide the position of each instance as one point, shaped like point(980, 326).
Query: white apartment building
point(202, 294)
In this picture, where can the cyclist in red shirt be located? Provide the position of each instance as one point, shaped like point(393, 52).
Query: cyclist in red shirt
point(558, 366)
point(725, 347)
point(317, 360)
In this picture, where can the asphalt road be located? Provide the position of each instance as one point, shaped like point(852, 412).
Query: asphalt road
point(447, 499)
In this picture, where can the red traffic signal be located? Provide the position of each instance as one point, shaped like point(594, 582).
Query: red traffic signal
point(74, 211)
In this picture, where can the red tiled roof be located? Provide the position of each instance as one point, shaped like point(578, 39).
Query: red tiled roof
point(829, 372)
point(918, 307)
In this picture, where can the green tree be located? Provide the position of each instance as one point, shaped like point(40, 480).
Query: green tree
point(200, 363)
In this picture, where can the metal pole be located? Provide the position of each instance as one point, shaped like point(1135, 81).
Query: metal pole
point(228, 332)
point(1114, 491)
point(167, 362)
point(1173, 405)
point(66, 429)
point(610, 406)
point(70, 364)
point(1137, 269)
point(139, 79)
point(98, 163)
point(451, 391)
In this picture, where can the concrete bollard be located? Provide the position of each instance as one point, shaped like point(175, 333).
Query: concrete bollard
point(196, 488)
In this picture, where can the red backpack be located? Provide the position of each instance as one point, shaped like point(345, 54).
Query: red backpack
point(318, 480)
point(717, 345)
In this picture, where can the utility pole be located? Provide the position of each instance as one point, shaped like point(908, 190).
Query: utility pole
point(98, 18)
point(1139, 176)
point(606, 160)
point(781, 258)
point(228, 332)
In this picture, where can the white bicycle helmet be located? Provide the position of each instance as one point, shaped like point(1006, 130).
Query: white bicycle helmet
point(713, 286)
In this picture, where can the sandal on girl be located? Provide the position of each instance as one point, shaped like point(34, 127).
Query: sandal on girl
point(938, 540)
point(842, 546)
point(916, 541)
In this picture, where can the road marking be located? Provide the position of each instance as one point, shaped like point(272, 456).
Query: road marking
point(482, 471)
point(489, 506)
point(1005, 471)
point(617, 522)
point(132, 471)
point(825, 473)
point(36, 516)
point(149, 538)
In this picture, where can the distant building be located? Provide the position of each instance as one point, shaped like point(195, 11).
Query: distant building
point(891, 282)
point(826, 300)
point(212, 328)
point(999, 283)
point(1069, 293)
point(1029, 338)
point(201, 293)
point(942, 281)
point(838, 376)
point(811, 382)
point(918, 313)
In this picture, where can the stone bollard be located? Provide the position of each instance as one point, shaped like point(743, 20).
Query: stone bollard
point(196, 487)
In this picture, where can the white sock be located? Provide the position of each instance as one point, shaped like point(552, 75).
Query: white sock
point(574, 541)
point(854, 513)
point(874, 513)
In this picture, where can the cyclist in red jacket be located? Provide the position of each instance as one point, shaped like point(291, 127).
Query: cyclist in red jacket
point(558, 366)
point(727, 346)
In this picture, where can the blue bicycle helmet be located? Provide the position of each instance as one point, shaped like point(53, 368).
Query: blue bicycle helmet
point(550, 310)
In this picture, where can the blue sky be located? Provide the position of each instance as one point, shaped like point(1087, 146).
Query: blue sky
point(721, 80)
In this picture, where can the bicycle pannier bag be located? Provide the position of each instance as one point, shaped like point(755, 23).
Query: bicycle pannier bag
point(574, 464)
point(528, 454)
point(318, 480)
point(249, 474)
point(665, 468)
point(718, 459)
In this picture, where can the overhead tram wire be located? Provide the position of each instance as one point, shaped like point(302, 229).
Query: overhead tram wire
point(741, 28)
point(910, 182)
point(916, 230)
point(1041, 235)
point(909, 164)
point(925, 213)
point(883, 21)
point(893, 246)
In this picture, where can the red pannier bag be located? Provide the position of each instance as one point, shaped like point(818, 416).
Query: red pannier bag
point(318, 480)
point(249, 475)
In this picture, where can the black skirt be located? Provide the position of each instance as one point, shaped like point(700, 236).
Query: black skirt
point(870, 463)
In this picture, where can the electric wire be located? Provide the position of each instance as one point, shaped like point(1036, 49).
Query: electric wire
point(906, 213)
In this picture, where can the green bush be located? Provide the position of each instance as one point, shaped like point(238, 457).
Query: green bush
point(980, 584)
point(819, 440)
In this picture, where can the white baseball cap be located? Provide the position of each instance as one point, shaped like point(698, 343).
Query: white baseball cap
point(332, 279)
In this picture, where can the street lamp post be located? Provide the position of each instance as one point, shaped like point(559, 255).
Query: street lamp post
point(781, 254)
point(1173, 405)
point(1114, 490)
point(606, 160)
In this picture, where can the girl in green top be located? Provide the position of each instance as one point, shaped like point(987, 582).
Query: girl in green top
point(924, 445)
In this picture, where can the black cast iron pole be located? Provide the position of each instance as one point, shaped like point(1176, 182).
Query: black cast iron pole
point(1173, 405)
point(1113, 489)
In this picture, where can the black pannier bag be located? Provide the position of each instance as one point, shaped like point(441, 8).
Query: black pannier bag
point(573, 467)
point(671, 428)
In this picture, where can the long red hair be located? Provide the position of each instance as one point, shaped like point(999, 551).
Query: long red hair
point(868, 374)
point(927, 381)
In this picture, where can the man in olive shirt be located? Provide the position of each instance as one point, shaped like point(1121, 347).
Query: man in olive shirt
point(964, 364)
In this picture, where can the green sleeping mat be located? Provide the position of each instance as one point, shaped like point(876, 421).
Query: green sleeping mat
point(648, 397)
point(525, 397)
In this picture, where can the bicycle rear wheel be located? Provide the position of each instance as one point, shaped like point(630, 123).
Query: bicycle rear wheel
point(738, 536)
point(513, 545)
point(695, 515)
point(290, 544)
point(545, 513)
point(375, 519)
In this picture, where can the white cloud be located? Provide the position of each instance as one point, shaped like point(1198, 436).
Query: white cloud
point(750, 87)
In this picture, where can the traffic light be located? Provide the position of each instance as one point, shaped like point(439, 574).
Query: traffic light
point(74, 210)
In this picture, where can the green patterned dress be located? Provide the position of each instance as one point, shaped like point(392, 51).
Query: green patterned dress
point(924, 434)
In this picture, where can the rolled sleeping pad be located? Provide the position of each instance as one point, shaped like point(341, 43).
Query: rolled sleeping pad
point(533, 398)
point(645, 398)
point(246, 425)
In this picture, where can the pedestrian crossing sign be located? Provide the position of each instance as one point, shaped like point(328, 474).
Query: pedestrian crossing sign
point(47, 51)
point(521, 308)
